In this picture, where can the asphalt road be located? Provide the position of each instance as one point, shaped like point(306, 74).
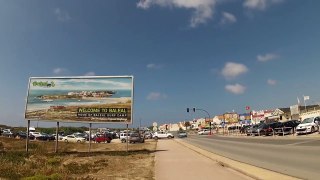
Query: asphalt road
point(298, 157)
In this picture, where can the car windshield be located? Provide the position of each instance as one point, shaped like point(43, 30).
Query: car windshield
point(308, 120)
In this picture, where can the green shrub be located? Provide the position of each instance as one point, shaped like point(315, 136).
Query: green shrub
point(55, 161)
point(15, 157)
point(43, 177)
point(75, 168)
point(9, 172)
point(1, 147)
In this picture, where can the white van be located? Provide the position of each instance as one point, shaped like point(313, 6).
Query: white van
point(124, 136)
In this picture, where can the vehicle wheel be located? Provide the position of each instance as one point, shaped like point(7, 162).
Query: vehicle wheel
point(123, 140)
point(108, 141)
point(78, 141)
point(156, 138)
point(169, 137)
point(66, 140)
point(312, 129)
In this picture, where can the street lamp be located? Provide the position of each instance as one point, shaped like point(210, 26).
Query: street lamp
point(194, 110)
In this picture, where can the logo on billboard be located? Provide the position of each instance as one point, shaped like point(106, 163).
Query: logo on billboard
point(43, 84)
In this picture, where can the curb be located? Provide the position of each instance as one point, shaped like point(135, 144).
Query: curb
point(246, 169)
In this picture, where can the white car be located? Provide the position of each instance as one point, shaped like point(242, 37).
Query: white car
point(73, 138)
point(162, 135)
point(36, 134)
point(204, 132)
point(309, 125)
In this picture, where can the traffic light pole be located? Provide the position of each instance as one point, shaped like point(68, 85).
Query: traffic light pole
point(194, 110)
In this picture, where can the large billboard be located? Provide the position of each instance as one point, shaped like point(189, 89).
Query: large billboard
point(94, 99)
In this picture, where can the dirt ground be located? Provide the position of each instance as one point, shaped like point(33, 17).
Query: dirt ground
point(105, 161)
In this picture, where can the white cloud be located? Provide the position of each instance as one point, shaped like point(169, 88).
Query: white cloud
point(228, 18)
point(272, 82)
point(267, 57)
point(60, 71)
point(153, 96)
point(202, 9)
point(154, 66)
point(233, 70)
point(90, 74)
point(260, 4)
point(235, 88)
point(61, 15)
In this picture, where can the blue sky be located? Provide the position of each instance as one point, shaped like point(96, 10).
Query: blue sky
point(211, 54)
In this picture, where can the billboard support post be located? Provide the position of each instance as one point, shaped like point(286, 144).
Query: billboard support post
point(27, 139)
point(127, 137)
point(57, 138)
point(90, 125)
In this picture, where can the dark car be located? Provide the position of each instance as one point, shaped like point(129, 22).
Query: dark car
point(244, 129)
point(287, 127)
point(136, 137)
point(45, 137)
point(266, 129)
point(23, 135)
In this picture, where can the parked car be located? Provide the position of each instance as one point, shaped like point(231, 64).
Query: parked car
point(73, 138)
point(204, 132)
point(35, 134)
point(23, 135)
point(244, 129)
point(308, 125)
point(60, 137)
point(251, 128)
point(7, 133)
point(45, 137)
point(148, 135)
point(182, 134)
point(136, 137)
point(106, 138)
point(162, 135)
point(287, 127)
point(265, 129)
point(124, 136)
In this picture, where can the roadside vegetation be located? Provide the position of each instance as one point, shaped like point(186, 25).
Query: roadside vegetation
point(105, 161)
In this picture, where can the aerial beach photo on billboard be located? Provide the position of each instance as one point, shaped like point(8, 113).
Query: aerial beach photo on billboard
point(94, 99)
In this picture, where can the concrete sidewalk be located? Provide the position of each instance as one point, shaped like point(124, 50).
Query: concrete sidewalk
point(175, 161)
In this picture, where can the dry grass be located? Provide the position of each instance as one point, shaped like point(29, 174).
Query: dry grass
point(105, 161)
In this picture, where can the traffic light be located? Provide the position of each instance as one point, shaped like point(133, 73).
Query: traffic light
point(187, 109)
point(194, 109)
